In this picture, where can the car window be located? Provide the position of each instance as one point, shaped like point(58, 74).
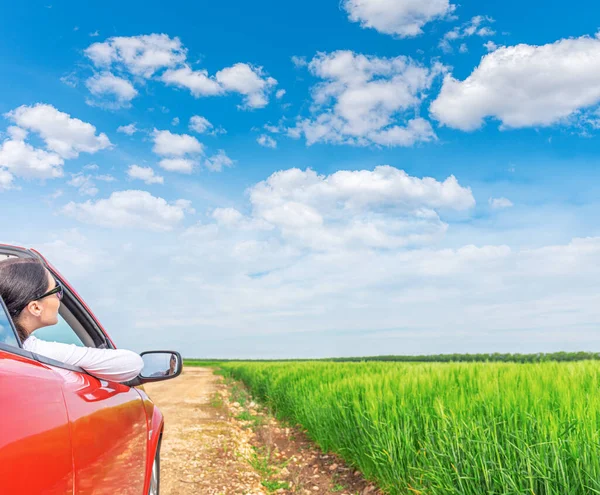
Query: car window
point(7, 334)
point(61, 332)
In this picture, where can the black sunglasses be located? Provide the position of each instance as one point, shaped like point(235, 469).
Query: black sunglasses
point(58, 290)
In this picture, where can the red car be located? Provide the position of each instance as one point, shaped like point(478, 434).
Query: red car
point(63, 431)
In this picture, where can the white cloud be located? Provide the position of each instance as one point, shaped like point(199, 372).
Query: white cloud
point(249, 81)
point(403, 18)
point(474, 27)
point(94, 34)
point(144, 173)
point(70, 80)
point(197, 81)
point(132, 208)
point(299, 61)
point(200, 124)
point(486, 31)
point(183, 165)
point(141, 55)
point(64, 135)
point(175, 121)
point(105, 177)
point(23, 160)
point(498, 203)
point(383, 208)
point(111, 91)
point(16, 133)
point(385, 185)
point(524, 86)
point(241, 78)
point(129, 129)
point(366, 100)
point(227, 216)
point(158, 55)
point(71, 250)
point(275, 129)
point(6, 180)
point(169, 144)
point(490, 46)
point(266, 141)
point(218, 161)
point(280, 93)
point(84, 183)
point(176, 148)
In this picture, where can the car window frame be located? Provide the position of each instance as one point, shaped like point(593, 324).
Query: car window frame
point(11, 323)
point(70, 300)
point(20, 351)
point(79, 312)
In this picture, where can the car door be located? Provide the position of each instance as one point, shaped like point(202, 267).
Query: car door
point(108, 419)
point(35, 444)
point(109, 434)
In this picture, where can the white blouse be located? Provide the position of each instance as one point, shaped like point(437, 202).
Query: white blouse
point(117, 365)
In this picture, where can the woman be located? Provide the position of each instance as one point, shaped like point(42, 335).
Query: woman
point(32, 297)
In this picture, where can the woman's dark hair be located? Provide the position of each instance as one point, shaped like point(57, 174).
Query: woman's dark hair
point(22, 280)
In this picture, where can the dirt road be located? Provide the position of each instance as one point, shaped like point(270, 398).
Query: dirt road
point(213, 445)
point(202, 451)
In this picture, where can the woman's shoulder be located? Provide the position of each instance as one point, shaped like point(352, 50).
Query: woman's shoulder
point(30, 342)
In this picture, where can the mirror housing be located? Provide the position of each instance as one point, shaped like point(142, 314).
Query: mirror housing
point(158, 366)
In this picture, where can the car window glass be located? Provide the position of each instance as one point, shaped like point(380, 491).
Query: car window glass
point(7, 335)
point(61, 332)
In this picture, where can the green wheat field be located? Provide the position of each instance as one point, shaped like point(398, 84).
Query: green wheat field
point(446, 428)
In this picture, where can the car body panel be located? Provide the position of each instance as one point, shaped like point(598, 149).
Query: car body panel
point(108, 434)
point(156, 424)
point(35, 442)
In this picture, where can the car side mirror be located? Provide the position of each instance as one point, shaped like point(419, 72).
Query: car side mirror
point(158, 366)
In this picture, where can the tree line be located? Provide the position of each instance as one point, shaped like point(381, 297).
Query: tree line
point(482, 357)
point(439, 358)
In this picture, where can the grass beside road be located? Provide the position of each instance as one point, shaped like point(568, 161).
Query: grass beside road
point(441, 428)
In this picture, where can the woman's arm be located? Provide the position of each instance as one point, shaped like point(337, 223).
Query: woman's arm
point(117, 365)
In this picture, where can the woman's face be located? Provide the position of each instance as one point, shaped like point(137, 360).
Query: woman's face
point(49, 304)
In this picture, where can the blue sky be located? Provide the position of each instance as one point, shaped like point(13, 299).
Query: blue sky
point(363, 177)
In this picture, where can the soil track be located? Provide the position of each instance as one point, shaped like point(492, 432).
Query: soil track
point(208, 449)
point(202, 451)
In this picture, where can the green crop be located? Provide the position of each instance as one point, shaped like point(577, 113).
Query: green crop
point(446, 428)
